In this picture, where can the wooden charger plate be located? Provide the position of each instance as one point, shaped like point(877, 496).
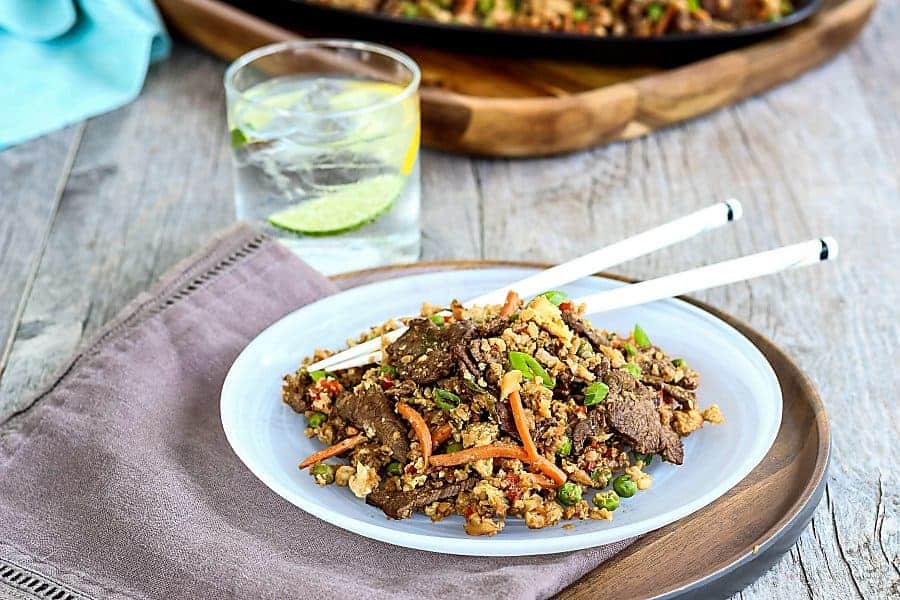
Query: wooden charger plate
point(722, 548)
point(499, 106)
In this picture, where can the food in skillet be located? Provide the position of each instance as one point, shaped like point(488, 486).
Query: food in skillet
point(642, 18)
point(500, 411)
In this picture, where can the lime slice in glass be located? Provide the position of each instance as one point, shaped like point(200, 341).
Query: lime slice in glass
point(341, 210)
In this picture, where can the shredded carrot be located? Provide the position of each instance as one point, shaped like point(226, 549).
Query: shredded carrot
point(466, 7)
point(551, 470)
point(547, 468)
point(478, 453)
point(420, 428)
point(340, 447)
point(665, 20)
point(441, 434)
point(518, 411)
point(511, 304)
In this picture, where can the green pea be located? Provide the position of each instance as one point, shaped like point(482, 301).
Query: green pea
point(316, 419)
point(645, 458)
point(394, 468)
point(555, 297)
point(410, 10)
point(640, 337)
point(445, 400)
point(600, 476)
point(595, 393)
point(633, 370)
point(608, 500)
point(323, 471)
point(485, 6)
point(624, 486)
point(565, 449)
point(569, 493)
point(454, 447)
point(238, 138)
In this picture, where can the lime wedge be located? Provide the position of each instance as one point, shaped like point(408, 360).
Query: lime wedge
point(341, 210)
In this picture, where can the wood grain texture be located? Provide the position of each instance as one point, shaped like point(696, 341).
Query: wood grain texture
point(27, 215)
point(538, 108)
point(819, 155)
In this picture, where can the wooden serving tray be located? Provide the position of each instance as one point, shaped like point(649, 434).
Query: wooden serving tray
point(727, 545)
point(530, 107)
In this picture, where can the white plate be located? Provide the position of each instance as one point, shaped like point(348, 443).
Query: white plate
point(267, 435)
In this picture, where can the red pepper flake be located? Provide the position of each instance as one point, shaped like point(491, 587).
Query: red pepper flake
point(326, 385)
point(566, 306)
point(386, 382)
point(581, 410)
point(468, 511)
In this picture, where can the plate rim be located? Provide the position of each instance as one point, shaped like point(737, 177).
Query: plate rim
point(461, 546)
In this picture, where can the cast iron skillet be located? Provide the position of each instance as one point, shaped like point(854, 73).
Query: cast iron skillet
point(678, 48)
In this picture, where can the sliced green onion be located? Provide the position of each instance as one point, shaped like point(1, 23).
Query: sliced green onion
point(633, 370)
point(644, 458)
point(387, 370)
point(445, 400)
point(437, 320)
point(565, 449)
point(640, 337)
point(394, 468)
point(317, 375)
point(579, 14)
point(655, 12)
point(316, 419)
point(595, 393)
point(630, 350)
point(530, 368)
point(555, 297)
point(678, 362)
point(454, 447)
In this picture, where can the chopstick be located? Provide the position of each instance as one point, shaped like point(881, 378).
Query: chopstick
point(730, 271)
point(659, 237)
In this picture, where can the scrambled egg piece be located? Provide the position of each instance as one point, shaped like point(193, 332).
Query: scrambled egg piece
point(363, 481)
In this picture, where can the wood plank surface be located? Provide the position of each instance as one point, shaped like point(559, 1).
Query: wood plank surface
point(150, 182)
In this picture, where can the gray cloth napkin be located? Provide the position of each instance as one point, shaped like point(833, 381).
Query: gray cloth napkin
point(117, 480)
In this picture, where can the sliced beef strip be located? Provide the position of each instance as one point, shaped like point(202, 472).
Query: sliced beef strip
point(492, 328)
point(591, 426)
point(293, 392)
point(686, 398)
point(633, 414)
point(426, 352)
point(400, 505)
point(371, 411)
point(581, 326)
point(505, 419)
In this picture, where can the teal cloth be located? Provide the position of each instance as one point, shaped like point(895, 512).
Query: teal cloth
point(62, 61)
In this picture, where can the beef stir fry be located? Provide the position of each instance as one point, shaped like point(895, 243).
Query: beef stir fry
point(519, 410)
point(642, 18)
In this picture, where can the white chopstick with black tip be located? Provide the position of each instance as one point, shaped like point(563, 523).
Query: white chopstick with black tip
point(730, 271)
point(638, 245)
point(795, 256)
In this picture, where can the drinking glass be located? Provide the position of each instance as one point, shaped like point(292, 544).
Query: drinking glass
point(325, 142)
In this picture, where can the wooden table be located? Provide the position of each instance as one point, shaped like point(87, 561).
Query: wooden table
point(93, 214)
